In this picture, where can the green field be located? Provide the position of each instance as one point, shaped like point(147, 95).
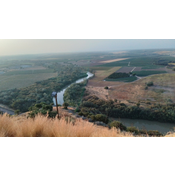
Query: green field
point(147, 73)
point(146, 62)
point(126, 79)
point(22, 80)
point(21, 72)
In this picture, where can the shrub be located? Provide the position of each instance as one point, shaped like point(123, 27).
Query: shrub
point(146, 87)
point(118, 125)
point(17, 112)
point(138, 104)
point(100, 117)
point(52, 114)
point(154, 133)
point(115, 100)
point(150, 83)
point(38, 106)
point(65, 105)
point(47, 107)
point(133, 129)
point(80, 113)
point(88, 104)
point(77, 110)
point(143, 132)
point(106, 87)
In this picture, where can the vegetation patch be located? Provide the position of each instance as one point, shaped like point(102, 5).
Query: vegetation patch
point(147, 73)
point(114, 109)
point(127, 79)
point(118, 75)
point(74, 94)
point(21, 99)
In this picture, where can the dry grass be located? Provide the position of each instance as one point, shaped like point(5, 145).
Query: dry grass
point(100, 92)
point(42, 126)
point(136, 90)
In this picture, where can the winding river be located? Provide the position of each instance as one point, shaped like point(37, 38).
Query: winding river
point(60, 95)
point(140, 124)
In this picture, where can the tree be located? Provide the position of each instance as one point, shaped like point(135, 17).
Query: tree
point(117, 125)
point(65, 105)
point(17, 112)
point(106, 87)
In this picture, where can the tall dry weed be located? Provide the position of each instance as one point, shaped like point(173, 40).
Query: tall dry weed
point(41, 126)
point(7, 126)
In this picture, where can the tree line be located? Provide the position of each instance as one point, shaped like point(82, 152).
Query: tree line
point(21, 99)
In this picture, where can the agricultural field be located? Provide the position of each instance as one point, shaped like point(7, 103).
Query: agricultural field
point(125, 79)
point(148, 65)
point(100, 75)
point(162, 91)
point(22, 80)
point(125, 70)
point(25, 70)
point(147, 73)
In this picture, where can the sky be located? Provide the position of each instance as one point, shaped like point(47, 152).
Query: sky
point(39, 46)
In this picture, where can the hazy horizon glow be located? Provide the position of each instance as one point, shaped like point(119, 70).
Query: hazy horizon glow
point(39, 46)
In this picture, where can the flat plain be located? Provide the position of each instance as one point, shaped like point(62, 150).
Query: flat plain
point(149, 66)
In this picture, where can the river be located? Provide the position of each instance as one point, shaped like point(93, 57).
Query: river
point(148, 125)
point(140, 124)
point(60, 95)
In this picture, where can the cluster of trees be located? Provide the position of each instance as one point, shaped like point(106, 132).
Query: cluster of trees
point(22, 99)
point(74, 94)
point(42, 108)
point(133, 129)
point(92, 105)
point(118, 75)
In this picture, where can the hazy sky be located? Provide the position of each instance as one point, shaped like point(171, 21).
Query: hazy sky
point(34, 46)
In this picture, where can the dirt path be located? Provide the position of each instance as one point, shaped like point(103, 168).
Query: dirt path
point(133, 69)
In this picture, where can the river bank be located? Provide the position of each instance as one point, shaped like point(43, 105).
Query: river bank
point(60, 95)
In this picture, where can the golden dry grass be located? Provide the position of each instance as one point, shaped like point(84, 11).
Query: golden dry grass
point(136, 90)
point(42, 126)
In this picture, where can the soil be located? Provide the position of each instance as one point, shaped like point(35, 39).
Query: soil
point(100, 92)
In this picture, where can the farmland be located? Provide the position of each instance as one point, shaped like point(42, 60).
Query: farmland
point(147, 73)
point(23, 80)
point(161, 92)
point(149, 65)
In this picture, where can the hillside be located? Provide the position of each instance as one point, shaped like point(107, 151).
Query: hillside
point(42, 126)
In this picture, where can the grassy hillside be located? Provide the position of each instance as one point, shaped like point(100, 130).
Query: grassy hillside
point(41, 126)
